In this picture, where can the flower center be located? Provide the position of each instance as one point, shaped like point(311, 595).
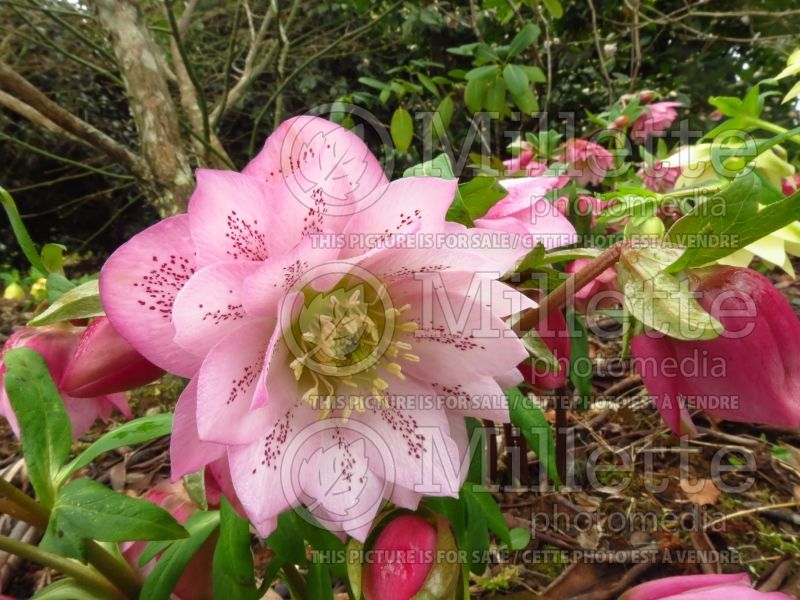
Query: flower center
point(344, 342)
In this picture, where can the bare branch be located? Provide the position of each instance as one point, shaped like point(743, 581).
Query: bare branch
point(25, 92)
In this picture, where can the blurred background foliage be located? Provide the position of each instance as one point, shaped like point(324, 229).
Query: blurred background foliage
point(233, 69)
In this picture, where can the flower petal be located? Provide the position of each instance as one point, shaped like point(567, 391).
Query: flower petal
point(229, 217)
point(225, 386)
point(188, 453)
point(138, 285)
point(209, 306)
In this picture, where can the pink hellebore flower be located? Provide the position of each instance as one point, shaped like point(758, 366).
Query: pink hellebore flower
point(654, 121)
point(524, 162)
point(402, 556)
point(659, 177)
point(104, 363)
point(586, 205)
point(56, 344)
point(599, 293)
point(751, 373)
point(527, 211)
point(727, 586)
point(321, 336)
point(588, 162)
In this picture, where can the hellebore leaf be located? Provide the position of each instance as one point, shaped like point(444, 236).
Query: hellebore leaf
point(81, 302)
point(535, 428)
point(233, 560)
point(44, 425)
point(659, 299)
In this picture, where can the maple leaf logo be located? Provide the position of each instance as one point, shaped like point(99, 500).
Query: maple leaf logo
point(336, 476)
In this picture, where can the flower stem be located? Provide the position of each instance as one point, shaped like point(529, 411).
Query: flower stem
point(21, 506)
point(295, 581)
point(84, 575)
point(559, 296)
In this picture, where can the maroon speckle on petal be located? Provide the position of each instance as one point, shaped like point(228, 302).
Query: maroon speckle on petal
point(159, 286)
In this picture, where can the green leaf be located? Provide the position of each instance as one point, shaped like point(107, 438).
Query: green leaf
point(520, 538)
point(477, 535)
point(475, 94)
point(476, 471)
point(579, 374)
point(53, 258)
point(443, 116)
point(428, 84)
point(539, 350)
point(479, 194)
point(284, 541)
point(516, 79)
point(496, 96)
point(373, 83)
point(526, 101)
point(320, 586)
point(233, 561)
point(355, 567)
point(87, 509)
point(526, 36)
point(659, 299)
point(44, 425)
point(534, 427)
point(438, 166)
point(82, 302)
point(173, 562)
point(535, 75)
point(402, 129)
point(490, 509)
point(132, 433)
point(730, 220)
point(483, 73)
point(68, 589)
point(20, 232)
point(57, 286)
point(554, 8)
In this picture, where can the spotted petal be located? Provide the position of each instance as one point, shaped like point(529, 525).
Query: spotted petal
point(138, 285)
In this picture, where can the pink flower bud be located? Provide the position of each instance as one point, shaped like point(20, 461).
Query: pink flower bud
point(750, 373)
point(620, 122)
point(104, 363)
point(730, 586)
point(646, 96)
point(401, 558)
point(555, 335)
point(56, 344)
point(599, 293)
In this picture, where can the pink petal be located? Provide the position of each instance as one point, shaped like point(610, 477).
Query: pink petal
point(225, 386)
point(265, 287)
point(229, 214)
point(138, 285)
point(668, 586)
point(256, 467)
point(401, 207)
point(308, 153)
point(458, 340)
point(187, 453)
point(481, 398)
point(210, 305)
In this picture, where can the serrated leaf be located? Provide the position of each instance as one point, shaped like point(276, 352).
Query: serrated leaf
point(729, 221)
point(660, 299)
point(402, 129)
point(89, 510)
point(44, 425)
point(132, 433)
point(82, 302)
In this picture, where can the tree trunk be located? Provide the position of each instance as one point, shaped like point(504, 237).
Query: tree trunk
point(153, 109)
